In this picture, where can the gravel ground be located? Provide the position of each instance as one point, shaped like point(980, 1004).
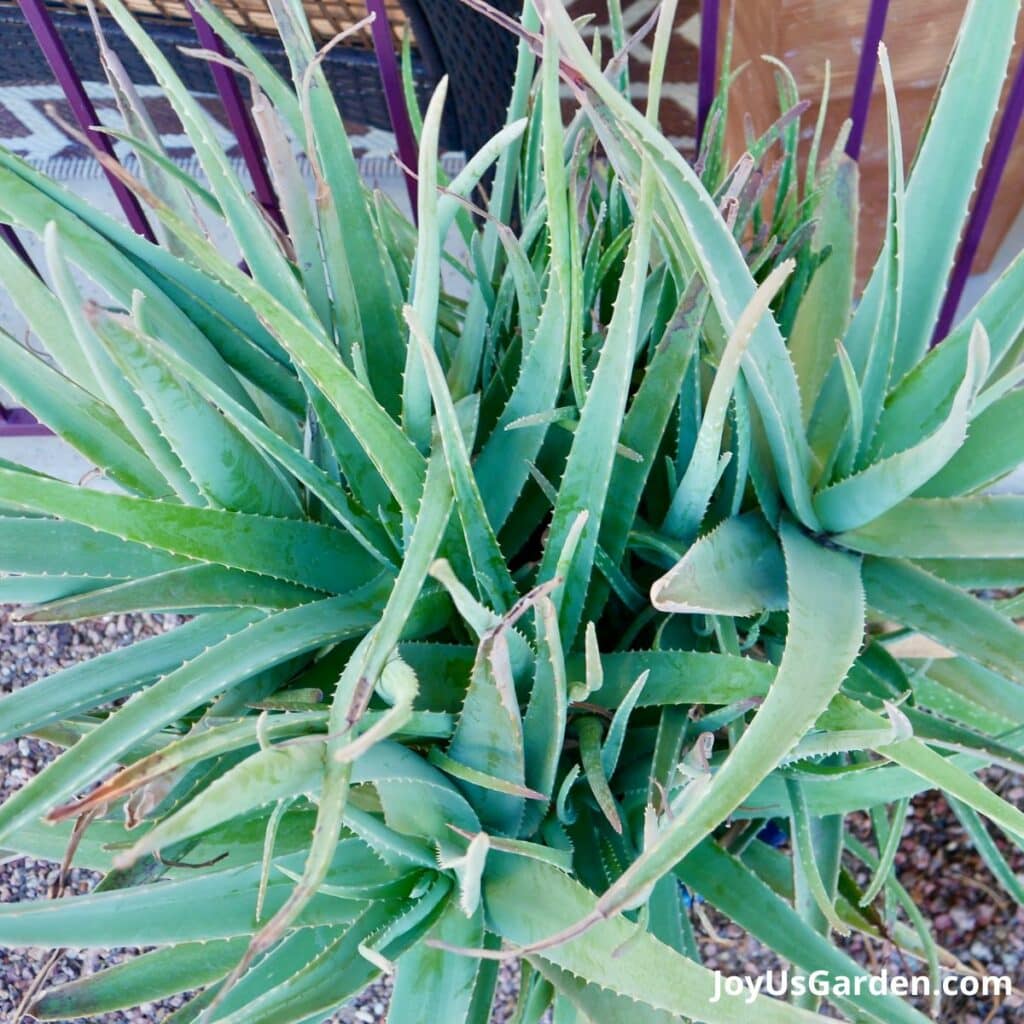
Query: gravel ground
point(955, 891)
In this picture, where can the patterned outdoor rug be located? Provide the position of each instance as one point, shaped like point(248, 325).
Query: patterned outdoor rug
point(28, 130)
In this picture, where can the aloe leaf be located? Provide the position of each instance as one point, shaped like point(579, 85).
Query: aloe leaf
point(980, 527)
point(179, 279)
point(351, 697)
point(251, 351)
point(864, 788)
point(426, 281)
point(383, 442)
point(489, 734)
point(280, 92)
point(480, 618)
point(47, 319)
point(727, 883)
point(338, 972)
point(116, 389)
point(164, 972)
point(268, 776)
point(879, 365)
point(268, 641)
point(970, 684)
point(417, 799)
point(32, 200)
point(994, 446)
point(431, 984)
point(431, 522)
point(197, 434)
point(677, 677)
point(713, 249)
point(612, 747)
point(806, 867)
point(293, 196)
point(945, 775)
point(588, 730)
point(946, 614)
point(922, 399)
point(644, 969)
point(990, 852)
point(293, 953)
point(468, 357)
point(114, 674)
point(489, 565)
point(195, 909)
point(871, 492)
point(86, 423)
point(945, 167)
point(299, 551)
point(870, 339)
point(813, 665)
point(737, 569)
point(159, 160)
point(978, 573)
point(545, 719)
point(521, 283)
point(502, 467)
point(644, 427)
point(950, 775)
point(144, 136)
point(190, 588)
point(57, 546)
point(824, 310)
point(889, 844)
point(48, 841)
point(21, 589)
point(594, 1002)
point(329, 491)
point(331, 150)
point(195, 746)
point(849, 444)
point(587, 475)
point(693, 495)
point(248, 224)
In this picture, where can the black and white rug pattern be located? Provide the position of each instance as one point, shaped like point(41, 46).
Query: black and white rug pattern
point(29, 131)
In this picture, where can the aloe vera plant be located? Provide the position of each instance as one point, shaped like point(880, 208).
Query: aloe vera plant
point(516, 603)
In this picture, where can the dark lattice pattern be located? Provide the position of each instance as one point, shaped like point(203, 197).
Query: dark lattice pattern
point(326, 17)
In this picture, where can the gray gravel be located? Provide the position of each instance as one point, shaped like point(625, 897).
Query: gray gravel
point(972, 918)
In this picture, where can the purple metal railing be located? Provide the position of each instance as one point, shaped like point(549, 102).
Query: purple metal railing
point(20, 422)
point(11, 238)
point(84, 112)
point(874, 28)
point(239, 119)
point(998, 158)
point(707, 64)
point(394, 97)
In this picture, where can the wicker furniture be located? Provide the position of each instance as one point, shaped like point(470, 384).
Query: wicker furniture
point(449, 38)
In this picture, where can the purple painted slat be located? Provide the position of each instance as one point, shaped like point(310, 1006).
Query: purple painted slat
point(394, 96)
point(707, 63)
point(10, 237)
point(239, 119)
point(56, 54)
point(998, 157)
point(874, 27)
point(21, 423)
